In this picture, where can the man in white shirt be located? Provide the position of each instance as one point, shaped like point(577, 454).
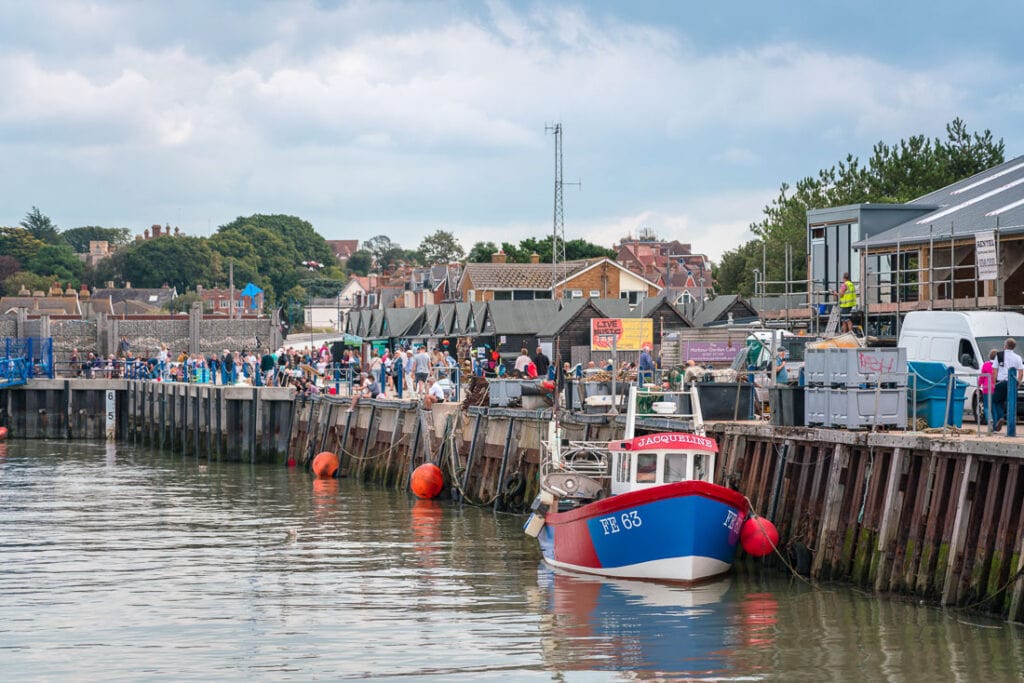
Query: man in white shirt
point(523, 360)
point(434, 395)
point(1011, 359)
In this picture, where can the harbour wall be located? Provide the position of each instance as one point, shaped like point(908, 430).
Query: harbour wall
point(934, 516)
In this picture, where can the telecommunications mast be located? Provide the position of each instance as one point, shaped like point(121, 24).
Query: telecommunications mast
point(558, 231)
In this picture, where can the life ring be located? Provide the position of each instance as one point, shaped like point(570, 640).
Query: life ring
point(514, 485)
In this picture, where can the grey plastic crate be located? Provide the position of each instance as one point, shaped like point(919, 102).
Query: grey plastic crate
point(859, 408)
point(815, 367)
point(502, 393)
point(854, 367)
point(816, 406)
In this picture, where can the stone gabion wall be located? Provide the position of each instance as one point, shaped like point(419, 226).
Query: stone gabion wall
point(145, 336)
point(73, 334)
point(8, 327)
point(237, 335)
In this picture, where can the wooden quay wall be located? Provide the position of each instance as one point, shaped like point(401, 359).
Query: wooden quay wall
point(931, 516)
point(937, 517)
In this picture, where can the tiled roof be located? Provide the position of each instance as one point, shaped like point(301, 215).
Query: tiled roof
point(519, 275)
point(154, 296)
point(61, 305)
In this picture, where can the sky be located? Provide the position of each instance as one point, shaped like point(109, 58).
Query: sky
point(402, 118)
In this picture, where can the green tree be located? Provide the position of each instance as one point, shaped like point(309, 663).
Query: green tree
point(183, 302)
point(440, 247)
point(27, 280)
point(41, 227)
point(79, 238)
point(268, 250)
point(898, 173)
point(360, 262)
point(8, 266)
point(58, 261)
point(19, 243)
point(181, 262)
point(482, 252)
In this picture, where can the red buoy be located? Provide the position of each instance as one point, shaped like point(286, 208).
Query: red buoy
point(325, 465)
point(427, 481)
point(3, 433)
point(758, 537)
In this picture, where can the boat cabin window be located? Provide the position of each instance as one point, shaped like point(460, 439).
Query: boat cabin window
point(646, 468)
point(675, 467)
point(700, 466)
point(625, 461)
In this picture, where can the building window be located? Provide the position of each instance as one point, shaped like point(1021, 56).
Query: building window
point(503, 296)
point(595, 293)
point(575, 294)
point(471, 295)
point(632, 297)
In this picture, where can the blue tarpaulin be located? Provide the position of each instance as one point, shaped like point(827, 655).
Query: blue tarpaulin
point(251, 291)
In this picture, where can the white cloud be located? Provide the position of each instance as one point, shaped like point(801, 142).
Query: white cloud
point(402, 116)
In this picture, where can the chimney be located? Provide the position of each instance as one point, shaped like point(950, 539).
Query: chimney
point(146, 232)
point(110, 284)
point(534, 257)
point(199, 289)
point(55, 289)
point(84, 293)
point(127, 285)
point(498, 257)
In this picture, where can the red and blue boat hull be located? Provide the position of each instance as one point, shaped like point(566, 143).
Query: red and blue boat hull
point(685, 532)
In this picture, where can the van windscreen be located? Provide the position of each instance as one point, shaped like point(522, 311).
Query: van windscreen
point(986, 344)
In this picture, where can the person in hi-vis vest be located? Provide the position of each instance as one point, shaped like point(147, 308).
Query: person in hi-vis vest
point(847, 302)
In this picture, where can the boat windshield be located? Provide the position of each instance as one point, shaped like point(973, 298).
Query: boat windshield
point(646, 468)
point(700, 466)
point(675, 467)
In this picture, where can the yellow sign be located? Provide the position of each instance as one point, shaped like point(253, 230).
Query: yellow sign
point(628, 334)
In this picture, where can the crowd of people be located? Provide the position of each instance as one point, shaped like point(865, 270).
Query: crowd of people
point(413, 372)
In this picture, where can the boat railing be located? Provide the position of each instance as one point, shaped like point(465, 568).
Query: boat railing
point(586, 458)
point(678, 410)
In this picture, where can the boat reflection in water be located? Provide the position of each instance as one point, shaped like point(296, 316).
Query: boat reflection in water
point(656, 630)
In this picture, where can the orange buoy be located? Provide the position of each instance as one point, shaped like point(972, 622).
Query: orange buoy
point(325, 465)
point(427, 481)
point(758, 537)
point(3, 433)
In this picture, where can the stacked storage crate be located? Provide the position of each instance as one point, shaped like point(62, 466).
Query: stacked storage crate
point(856, 388)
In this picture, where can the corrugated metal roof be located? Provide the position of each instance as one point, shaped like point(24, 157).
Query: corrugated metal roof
point(993, 198)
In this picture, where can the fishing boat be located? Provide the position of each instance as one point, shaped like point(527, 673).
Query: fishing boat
point(645, 507)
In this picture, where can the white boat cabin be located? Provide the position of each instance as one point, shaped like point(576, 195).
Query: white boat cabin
point(657, 459)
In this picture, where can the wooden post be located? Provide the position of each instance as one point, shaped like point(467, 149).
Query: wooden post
point(833, 503)
point(890, 519)
point(472, 452)
point(959, 535)
point(504, 463)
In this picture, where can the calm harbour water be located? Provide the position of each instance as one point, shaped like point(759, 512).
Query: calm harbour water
point(122, 564)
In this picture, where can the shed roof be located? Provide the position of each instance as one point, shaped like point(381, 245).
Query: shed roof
point(520, 317)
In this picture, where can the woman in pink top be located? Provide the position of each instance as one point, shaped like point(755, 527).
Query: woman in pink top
point(987, 383)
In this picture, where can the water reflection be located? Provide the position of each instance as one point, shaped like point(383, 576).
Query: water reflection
point(657, 629)
point(176, 568)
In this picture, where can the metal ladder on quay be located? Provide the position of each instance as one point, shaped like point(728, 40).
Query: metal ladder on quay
point(833, 322)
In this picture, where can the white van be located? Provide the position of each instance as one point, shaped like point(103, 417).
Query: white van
point(960, 339)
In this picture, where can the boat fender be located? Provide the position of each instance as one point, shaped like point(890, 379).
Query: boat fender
point(534, 524)
point(514, 485)
point(539, 506)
